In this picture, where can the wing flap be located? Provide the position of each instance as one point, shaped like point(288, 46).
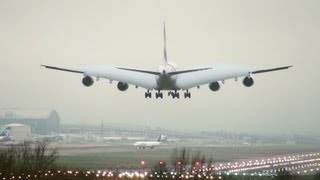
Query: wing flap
point(145, 80)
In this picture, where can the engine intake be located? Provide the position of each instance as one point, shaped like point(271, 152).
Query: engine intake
point(214, 86)
point(122, 86)
point(87, 81)
point(248, 81)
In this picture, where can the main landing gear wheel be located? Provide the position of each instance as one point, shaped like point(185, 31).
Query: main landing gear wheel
point(175, 94)
point(187, 94)
point(159, 95)
point(147, 94)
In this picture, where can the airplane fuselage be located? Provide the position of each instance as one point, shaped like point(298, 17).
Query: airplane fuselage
point(146, 144)
point(166, 81)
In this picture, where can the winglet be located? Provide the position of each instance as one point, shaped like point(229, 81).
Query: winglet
point(165, 60)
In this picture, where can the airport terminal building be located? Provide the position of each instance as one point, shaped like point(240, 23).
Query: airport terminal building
point(40, 121)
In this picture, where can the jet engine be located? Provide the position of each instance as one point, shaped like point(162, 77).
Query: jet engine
point(248, 81)
point(87, 81)
point(122, 86)
point(214, 86)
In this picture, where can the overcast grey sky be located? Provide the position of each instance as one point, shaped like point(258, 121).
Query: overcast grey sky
point(250, 32)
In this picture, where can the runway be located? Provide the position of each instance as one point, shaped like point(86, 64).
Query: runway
point(304, 164)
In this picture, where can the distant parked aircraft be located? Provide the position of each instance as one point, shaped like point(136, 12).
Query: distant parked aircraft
point(5, 135)
point(150, 144)
point(113, 138)
point(167, 77)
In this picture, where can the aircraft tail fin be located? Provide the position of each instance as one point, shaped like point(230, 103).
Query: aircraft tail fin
point(165, 60)
point(5, 134)
point(162, 138)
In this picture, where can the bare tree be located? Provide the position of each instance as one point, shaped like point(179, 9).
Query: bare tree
point(25, 158)
point(7, 160)
point(194, 162)
point(159, 171)
point(317, 176)
point(210, 169)
point(283, 174)
point(180, 159)
point(42, 158)
point(197, 160)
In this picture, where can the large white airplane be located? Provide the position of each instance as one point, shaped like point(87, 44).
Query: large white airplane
point(150, 144)
point(167, 77)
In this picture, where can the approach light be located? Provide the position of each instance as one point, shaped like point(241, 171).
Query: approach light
point(142, 163)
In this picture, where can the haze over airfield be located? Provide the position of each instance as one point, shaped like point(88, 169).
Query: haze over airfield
point(64, 33)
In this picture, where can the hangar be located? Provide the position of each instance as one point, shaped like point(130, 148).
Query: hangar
point(40, 121)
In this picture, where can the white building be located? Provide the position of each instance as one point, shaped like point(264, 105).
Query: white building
point(17, 132)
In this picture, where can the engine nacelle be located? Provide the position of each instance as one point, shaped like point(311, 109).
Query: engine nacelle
point(122, 86)
point(214, 86)
point(87, 81)
point(248, 81)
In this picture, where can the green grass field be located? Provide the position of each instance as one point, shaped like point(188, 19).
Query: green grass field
point(127, 157)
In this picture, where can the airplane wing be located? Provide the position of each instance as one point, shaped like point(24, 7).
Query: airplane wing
point(219, 73)
point(145, 80)
point(185, 79)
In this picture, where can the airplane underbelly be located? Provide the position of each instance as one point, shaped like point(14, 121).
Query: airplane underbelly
point(166, 82)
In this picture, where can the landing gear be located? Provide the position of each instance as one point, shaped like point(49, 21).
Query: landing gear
point(187, 94)
point(159, 94)
point(147, 94)
point(174, 94)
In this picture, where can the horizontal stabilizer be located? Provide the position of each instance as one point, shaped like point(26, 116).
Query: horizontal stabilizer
point(141, 71)
point(187, 71)
point(158, 73)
